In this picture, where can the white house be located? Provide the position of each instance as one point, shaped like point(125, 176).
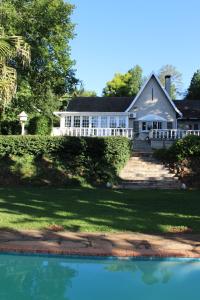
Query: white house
point(152, 114)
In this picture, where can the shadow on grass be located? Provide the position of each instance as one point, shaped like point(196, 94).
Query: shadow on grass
point(82, 209)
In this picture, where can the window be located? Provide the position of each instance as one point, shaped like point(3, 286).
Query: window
point(113, 122)
point(169, 125)
point(157, 125)
point(85, 122)
point(196, 126)
point(76, 121)
point(144, 126)
point(104, 122)
point(122, 122)
point(68, 121)
point(94, 122)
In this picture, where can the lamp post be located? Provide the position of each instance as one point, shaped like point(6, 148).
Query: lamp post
point(23, 118)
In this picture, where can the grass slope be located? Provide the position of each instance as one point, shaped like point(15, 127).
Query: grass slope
point(82, 209)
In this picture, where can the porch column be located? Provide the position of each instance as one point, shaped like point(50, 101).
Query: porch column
point(62, 122)
point(127, 122)
point(72, 121)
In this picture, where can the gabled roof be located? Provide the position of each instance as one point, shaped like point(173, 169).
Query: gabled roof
point(99, 104)
point(189, 108)
point(163, 89)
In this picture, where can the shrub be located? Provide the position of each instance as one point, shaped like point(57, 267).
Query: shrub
point(188, 147)
point(8, 127)
point(97, 159)
point(40, 125)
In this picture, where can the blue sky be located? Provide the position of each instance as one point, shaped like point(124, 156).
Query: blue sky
point(114, 35)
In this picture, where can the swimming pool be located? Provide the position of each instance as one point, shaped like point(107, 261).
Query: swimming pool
point(60, 278)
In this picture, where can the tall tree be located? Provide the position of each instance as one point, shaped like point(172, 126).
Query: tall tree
point(82, 92)
point(194, 88)
point(176, 78)
point(127, 84)
point(11, 48)
point(47, 27)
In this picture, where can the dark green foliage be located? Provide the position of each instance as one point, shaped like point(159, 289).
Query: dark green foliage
point(10, 127)
point(96, 159)
point(41, 125)
point(188, 147)
point(47, 27)
point(194, 88)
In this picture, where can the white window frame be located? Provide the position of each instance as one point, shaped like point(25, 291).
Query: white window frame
point(122, 122)
point(77, 121)
point(104, 121)
point(85, 122)
point(113, 122)
point(157, 125)
point(68, 121)
point(94, 121)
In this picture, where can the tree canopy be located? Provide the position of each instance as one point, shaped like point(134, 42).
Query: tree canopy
point(176, 78)
point(194, 88)
point(46, 26)
point(127, 84)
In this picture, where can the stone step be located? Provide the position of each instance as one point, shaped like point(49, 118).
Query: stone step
point(149, 178)
point(142, 153)
point(151, 184)
point(142, 166)
point(135, 168)
point(144, 171)
point(145, 177)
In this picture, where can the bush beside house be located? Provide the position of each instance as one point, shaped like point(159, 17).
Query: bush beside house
point(61, 160)
point(183, 157)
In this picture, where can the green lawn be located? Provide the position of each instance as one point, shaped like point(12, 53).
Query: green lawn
point(82, 209)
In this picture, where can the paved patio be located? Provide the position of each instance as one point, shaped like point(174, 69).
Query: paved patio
point(94, 244)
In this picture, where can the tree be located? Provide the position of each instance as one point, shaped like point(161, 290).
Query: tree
point(127, 84)
point(11, 48)
point(194, 88)
point(176, 78)
point(82, 92)
point(47, 28)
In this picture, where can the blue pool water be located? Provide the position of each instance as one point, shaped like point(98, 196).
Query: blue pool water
point(60, 278)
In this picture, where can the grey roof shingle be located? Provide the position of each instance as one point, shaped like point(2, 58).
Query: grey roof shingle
point(189, 108)
point(99, 104)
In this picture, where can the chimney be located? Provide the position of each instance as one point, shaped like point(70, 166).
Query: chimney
point(168, 84)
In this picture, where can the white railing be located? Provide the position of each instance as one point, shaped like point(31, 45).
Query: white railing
point(92, 132)
point(173, 134)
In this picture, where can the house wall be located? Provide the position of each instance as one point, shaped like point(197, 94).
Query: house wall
point(189, 124)
point(158, 105)
point(117, 115)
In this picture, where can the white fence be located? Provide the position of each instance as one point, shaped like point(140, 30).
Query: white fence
point(174, 134)
point(93, 132)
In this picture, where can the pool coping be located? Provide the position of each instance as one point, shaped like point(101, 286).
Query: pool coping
point(100, 244)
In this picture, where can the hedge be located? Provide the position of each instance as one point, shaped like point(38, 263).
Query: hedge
point(183, 158)
point(97, 159)
point(188, 147)
point(41, 125)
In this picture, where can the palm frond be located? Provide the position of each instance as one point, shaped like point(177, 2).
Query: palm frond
point(5, 49)
point(21, 47)
point(10, 47)
point(8, 84)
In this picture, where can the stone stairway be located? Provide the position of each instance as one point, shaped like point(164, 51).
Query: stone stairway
point(143, 171)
